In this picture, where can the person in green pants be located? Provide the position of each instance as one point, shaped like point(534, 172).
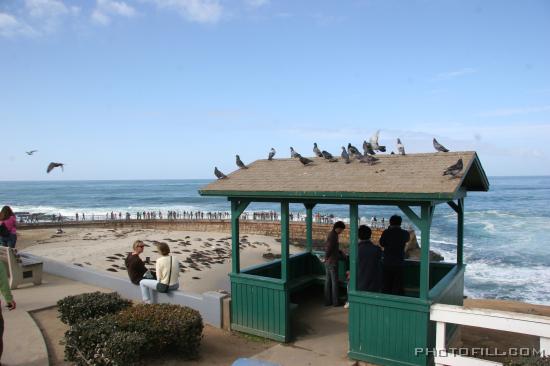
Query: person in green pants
point(5, 289)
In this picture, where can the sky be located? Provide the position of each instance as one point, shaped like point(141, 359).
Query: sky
point(168, 89)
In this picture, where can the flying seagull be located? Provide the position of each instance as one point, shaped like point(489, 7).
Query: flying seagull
point(316, 150)
point(293, 153)
point(305, 161)
point(219, 174)
point(345, 155)
point(271, 154)
point(240, 163)
point(328, 156)
point(439, 147)
point(30, 152)
point(400, 147)
point(51, 166)
point(368, 159)
point(454, 169)
point(367, 148)
point(374, 142)
point(352, 151)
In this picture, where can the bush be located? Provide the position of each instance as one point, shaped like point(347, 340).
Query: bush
point(528, 361)
point(167, 328)
point(74, 309)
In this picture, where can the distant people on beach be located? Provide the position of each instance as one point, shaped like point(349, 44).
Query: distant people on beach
point(369, 271)
point(167, 271)
point(393, 241)
point(8, 227)
point(135, 266)
point(332, 256)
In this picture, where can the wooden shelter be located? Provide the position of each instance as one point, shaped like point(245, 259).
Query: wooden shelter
point(384, 329)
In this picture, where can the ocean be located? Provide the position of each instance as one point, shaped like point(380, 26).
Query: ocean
point(507, 230)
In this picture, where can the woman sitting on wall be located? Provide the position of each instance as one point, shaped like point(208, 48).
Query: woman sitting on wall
point(167, 271)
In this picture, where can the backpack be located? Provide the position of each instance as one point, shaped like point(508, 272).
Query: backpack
point(4, 232)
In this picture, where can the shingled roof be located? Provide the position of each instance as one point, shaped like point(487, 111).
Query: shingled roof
point(413, 176)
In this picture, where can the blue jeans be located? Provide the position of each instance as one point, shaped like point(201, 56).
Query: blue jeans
point(331, 284)
point(147, 288)
point(9, 241)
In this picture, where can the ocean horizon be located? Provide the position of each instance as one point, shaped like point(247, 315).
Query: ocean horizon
point(506, 229)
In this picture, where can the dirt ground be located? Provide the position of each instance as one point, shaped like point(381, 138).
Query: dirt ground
point(218, 347)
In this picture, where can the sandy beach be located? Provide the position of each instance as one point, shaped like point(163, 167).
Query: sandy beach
point(205, 257)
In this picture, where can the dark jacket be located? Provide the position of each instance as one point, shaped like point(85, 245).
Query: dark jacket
point(393, 241)
point(332, 248)
point(369, 276)
point(136, 268)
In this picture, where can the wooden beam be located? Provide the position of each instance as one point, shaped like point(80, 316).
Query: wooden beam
point(284, 241)
point(426, 221)
point(236, 210)
point(411, 215)
point(353, 231)
point(454, 206)
point(309, 226)
point(460, 233)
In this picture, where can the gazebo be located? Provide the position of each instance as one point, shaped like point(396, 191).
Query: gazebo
point(384, 329)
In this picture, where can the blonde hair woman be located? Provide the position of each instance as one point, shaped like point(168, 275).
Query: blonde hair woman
point(167, 269)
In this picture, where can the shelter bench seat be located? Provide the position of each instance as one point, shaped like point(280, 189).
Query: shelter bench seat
point(20, 268)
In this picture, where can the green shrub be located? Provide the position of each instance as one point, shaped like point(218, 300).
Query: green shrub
point(167, 328)
point(74, 309)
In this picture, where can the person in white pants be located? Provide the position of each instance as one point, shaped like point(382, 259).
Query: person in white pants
point(167, 268)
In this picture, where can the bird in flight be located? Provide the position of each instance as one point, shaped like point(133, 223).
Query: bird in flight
point(439, 147)
point(30, 152)
point(316, 150)
point(240, 163)
point(219, 174)
point(305, 161)
point(271, 154)
point(374, 142)
point(454, 169)
point(400, 147)
point(52, 165)
point(345, 155)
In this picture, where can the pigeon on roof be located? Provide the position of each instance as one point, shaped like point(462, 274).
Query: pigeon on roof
point(374, 142)
point(400, 147)
point(329, 156)
point(293, 153)
point(352, 151)
point(439, 147)
point(30, 152)
point(305, 161)
point(316, 150)
point(240, 163)
point(368, 159)
point(345, 155)
point(367, 148)
point(271, 154)
point(219, 174)
point(454, 169)
point(52, 166)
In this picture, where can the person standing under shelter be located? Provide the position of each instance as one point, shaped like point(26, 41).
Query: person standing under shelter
point(393, 241)
point(369, 273)
point(332, 255)
point(5, 289)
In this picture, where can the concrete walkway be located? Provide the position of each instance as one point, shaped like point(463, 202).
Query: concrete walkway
point(23, 341)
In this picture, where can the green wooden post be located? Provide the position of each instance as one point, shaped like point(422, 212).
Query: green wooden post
point(460, 233)
point(237, 208)
point(309, 226)
point(353, 229)
point(284, 241)
point(425, 224)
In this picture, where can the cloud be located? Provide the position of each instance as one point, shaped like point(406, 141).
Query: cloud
point(454, 74)
point(514, 111)
point(11, 27)
point(199, 11)
point(49, 8)
point(256, 3)
point(105, 9)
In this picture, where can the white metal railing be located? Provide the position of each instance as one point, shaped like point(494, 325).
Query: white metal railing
point(484, 318)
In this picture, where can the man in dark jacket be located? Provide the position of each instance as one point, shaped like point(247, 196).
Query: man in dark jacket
point(135, 266)
point(332, 255)
point(393, 241)
point(369, 276)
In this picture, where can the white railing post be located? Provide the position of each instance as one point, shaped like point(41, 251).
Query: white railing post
point(544, 346)
point(439, 342)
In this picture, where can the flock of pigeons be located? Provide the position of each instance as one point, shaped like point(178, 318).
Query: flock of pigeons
point(368, 156)
point(51, 166)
